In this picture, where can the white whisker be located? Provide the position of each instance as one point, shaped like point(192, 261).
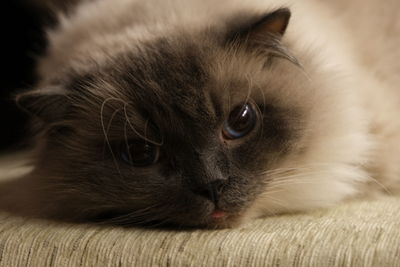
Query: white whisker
point(106, 133)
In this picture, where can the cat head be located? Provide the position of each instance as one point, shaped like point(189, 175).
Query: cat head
point(183, 128)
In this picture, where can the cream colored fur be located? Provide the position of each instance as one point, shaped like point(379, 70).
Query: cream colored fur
point(349, 84)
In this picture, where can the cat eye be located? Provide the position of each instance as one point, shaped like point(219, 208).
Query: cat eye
point(139, 153)
point(240, 122)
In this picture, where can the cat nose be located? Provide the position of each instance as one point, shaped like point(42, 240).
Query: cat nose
point(211, 191)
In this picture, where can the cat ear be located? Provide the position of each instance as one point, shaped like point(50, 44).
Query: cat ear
point(255, 30)
point(48, 104)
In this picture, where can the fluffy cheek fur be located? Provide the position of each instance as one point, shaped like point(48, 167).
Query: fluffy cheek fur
point(329, 165)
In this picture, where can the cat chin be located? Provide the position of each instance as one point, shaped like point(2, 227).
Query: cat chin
point(229, 221)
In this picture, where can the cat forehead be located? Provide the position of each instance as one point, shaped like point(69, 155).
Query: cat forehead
point(163, 82)
point(178, 81)
point(193, 75)
point(169, 77)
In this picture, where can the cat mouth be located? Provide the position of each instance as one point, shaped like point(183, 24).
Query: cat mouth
point(224, 215)
point(219, 219)
point(218, 214)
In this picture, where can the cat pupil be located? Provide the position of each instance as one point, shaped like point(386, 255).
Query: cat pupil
point(240, 122)
point(139, 153)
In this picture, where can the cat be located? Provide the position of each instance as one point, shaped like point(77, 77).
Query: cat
point(212, 113)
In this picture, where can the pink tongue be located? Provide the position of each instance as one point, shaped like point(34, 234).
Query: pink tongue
point(217, 214)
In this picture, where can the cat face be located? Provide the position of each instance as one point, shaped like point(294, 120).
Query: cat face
point(181, 129)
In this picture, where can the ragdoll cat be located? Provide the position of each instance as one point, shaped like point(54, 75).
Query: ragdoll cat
point(211, 113)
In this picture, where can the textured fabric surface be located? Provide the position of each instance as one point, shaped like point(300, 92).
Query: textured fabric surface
point(362, 233)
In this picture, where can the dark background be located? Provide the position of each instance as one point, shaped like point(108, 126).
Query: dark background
point(22, 40)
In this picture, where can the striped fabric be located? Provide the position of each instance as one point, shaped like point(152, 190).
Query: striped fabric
point(363, 233)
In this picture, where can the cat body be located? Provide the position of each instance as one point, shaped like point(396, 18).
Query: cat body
point(323, 94)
